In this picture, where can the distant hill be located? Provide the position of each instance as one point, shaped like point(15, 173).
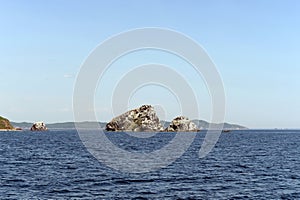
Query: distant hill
point(71, 125)
point(23, 125)
point(204, 125)
point(62, 125)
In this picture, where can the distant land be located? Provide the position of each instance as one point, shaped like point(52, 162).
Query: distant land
point(5, 124)
point(203, 125)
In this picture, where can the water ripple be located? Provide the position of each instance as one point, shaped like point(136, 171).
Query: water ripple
point(243, 165)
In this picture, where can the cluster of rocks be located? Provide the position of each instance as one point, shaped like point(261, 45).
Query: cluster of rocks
point(140, 119)
point(39, 126)
point(144, 118)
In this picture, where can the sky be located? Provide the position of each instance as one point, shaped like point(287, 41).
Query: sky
point(254, 44)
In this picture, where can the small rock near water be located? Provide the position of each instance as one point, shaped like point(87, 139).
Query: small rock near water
point(182, 124)
point(39, 126)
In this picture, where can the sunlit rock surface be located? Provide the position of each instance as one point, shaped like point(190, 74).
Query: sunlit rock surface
point(141, 119)
point(5, 124)
point(182, 124)
point(39, 126)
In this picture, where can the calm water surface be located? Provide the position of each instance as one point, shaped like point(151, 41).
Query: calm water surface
point(243, 165)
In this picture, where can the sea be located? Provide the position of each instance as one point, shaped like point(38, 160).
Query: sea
point(244, 164)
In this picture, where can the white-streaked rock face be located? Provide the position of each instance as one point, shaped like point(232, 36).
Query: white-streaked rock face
point(182, 124)
point(143, 118)
point(39, 126)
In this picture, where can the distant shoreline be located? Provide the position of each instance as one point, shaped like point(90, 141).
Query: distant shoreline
point(10, 130)
point(203, 125)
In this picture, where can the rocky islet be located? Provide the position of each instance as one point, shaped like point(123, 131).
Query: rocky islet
point(5, 124)
point(39, 126)
point(145, 119)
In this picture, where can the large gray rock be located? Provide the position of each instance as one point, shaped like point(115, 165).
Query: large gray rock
point(39, 126)
point(182, 124)
point(143, 118)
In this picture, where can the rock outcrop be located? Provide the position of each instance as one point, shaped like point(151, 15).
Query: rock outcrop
point(141, 119)
point(5, 124)
point(39, 126)
point(182, 124)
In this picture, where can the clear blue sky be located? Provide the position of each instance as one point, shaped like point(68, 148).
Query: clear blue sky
point(254, 43)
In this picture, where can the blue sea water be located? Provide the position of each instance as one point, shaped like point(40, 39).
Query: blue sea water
point(248, 164)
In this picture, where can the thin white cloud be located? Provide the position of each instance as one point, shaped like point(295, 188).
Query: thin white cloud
point(68, 75)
